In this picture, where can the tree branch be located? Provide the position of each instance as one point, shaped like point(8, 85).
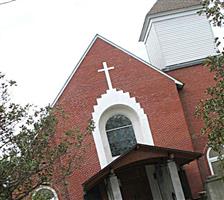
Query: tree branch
point(6, 2)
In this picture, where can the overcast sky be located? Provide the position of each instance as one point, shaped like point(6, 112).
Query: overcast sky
point(41, 41)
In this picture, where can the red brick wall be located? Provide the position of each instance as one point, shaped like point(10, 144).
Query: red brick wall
point(156, 93)
point(197, 79)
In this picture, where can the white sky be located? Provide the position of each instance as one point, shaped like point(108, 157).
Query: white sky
point(41, 41)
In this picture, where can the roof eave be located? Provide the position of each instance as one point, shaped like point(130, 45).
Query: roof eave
point(149, 152)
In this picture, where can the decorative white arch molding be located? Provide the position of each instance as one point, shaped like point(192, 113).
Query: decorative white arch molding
point(117, 102)
point(47, 188)
point(212, 159)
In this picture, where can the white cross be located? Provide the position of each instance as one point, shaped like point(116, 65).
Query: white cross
point(106, 70)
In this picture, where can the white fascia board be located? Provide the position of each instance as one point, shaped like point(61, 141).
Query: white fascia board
point(120, 48)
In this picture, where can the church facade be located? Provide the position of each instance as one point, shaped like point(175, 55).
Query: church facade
point(147, 142)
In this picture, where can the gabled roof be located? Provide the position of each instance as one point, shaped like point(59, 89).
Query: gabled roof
point(168, 5)
point(163, 7)
point(178, 83)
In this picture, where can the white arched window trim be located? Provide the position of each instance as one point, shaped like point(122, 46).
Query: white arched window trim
point(114, 110)
point(211, 160)
point(47, 188)
point(118, 102)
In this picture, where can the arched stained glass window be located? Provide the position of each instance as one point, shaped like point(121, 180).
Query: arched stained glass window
point(214, 162)
point(120, 134)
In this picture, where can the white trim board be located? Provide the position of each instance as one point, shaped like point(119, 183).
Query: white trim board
point(118, 102)
point(118, 47)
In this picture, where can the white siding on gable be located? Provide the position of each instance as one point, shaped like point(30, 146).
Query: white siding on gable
point(185, 39)
point(180, 38)
point(153, 49)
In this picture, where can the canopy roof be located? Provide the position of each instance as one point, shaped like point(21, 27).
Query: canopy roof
point(142, 154)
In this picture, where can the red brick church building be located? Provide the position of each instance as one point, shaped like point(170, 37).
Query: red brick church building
point(146, 144)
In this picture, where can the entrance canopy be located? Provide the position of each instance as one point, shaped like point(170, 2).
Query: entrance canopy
point(142, 154)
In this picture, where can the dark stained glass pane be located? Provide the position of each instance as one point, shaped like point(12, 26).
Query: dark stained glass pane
point(120, 134)
point(44, 194)
point(117, 121)
point(217, 168)
point(213, 153)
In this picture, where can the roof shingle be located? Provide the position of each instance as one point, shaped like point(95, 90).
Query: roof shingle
point(169, 5)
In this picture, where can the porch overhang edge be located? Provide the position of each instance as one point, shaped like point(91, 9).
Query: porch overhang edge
point(142, 153)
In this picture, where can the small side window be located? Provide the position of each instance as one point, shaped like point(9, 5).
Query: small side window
point(45, 193)
point(213, 161)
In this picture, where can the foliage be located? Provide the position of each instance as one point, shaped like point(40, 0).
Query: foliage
point(28, 149)
point(214, 11)
point(211, 110)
